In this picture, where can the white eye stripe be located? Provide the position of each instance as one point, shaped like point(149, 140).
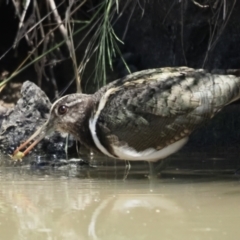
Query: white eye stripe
point(69, 104)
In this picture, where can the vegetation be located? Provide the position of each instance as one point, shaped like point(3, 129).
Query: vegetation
point(52, 32)
point(82, 33)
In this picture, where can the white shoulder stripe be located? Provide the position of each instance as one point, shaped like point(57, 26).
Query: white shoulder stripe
point(93, 121)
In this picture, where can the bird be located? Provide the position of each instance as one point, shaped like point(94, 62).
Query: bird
point(144, 116)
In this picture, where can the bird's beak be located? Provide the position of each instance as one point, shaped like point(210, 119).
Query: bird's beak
point(46, 129)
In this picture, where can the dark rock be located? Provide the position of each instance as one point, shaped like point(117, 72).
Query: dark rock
point(3, 113)
point(30, 112)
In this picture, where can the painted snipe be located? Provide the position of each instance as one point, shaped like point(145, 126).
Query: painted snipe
point(147, 115)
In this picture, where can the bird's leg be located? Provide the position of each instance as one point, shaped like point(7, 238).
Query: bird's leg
point(127, 169)
point(66, 146)
point(152, 172)
point(163, 165)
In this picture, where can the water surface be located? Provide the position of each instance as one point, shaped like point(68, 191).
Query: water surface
point(106, 203)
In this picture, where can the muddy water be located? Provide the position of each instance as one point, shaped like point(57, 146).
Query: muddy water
point(106, 203)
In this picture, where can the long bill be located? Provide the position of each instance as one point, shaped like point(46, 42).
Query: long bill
point(36, 138)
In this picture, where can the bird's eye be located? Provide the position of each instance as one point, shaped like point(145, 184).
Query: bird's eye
point(62, 110)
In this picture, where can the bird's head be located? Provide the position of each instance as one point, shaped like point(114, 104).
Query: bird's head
point(66, 115)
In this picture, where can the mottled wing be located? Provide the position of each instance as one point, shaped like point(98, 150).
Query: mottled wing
point(158, 110)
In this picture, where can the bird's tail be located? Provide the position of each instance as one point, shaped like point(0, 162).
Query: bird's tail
point(225, 86)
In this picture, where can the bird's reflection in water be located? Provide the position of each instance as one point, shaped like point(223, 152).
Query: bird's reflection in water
point(59, 208)
point(97, 203)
